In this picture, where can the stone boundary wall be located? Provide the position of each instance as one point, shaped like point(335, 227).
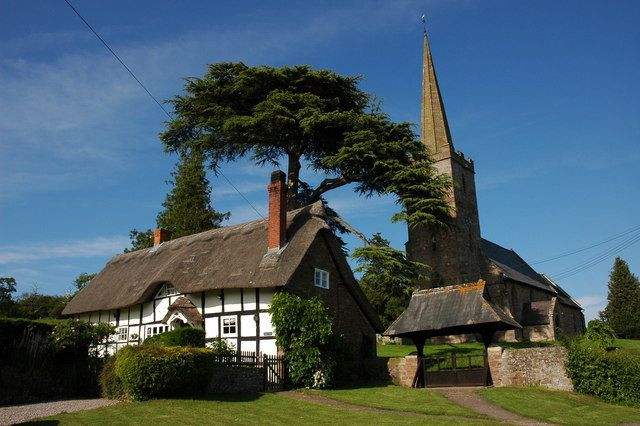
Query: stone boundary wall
point(402, 370)
point(530, 367)
point(509, 367)
point(231, 379)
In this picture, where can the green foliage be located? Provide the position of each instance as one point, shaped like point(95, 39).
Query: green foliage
point(316, 116)
point(622, 312)
point(187, 208)
point(48, 359)
point(82, 280)
point(388, 277)
point(80, 338)
point(304, 331)
point(7, 288)
point(34, 305)
point(600, 333)
point(183, 336)
point(613, 376)
point(110, 385)
point(140, 240)
point(156, 371)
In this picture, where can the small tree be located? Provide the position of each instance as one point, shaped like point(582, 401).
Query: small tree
point(82, 280)
point(304, 331)
point(187, 207)
point(7, 288)
point(622, 312)
point(388, 277)
point(140, 240)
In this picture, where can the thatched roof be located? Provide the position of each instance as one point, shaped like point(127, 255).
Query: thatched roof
point(184, 306)
point(457, 309)
point(232, 257)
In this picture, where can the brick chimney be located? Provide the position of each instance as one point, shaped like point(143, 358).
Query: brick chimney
point(277, 231)
point(161, 235)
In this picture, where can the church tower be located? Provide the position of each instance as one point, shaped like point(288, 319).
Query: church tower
point(454, 255)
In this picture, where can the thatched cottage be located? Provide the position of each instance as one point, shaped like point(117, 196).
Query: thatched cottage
point(223, 281)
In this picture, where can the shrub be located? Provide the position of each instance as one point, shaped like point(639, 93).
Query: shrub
point(600, 333)
point(154, 371)
point(304, 331)
point(613, 376)
point(110, 385)
point(183, 336)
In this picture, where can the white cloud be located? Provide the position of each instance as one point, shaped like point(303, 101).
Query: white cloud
point(592, 305)
point(98, 246)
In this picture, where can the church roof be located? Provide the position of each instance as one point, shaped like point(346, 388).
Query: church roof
point(457, 309)
point(517, 269)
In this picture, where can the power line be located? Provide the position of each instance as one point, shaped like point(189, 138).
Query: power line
point(559, 256)
point(118, 58)
point(151, 95)
point(589, 263)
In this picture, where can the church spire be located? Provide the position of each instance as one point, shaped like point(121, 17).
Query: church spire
point(435, 129)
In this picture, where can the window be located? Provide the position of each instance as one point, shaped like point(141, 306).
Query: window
point(123, 334)
point(166, 290)
point(152, 331)
point(322, 278)
point(229, 326)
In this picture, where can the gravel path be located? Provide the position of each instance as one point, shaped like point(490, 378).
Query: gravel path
point(21, 413)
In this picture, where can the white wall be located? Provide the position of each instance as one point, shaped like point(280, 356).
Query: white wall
point(236, 303)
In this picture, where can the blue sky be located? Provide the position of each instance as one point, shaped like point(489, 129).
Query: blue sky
point(544, 96)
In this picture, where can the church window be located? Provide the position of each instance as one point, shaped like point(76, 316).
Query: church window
point(464, 185)
point(433, 244)
point(321, 278)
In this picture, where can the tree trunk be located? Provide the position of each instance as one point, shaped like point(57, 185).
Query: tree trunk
point(293, 176)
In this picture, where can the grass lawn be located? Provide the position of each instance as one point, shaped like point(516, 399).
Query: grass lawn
point(391, 351)
point(391, 397)
point(560, 407)
point(263, 409)
point(632, 345)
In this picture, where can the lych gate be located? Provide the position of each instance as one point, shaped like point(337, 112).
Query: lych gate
point(445, 311)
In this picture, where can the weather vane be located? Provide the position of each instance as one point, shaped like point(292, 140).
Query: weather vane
point(424, 23)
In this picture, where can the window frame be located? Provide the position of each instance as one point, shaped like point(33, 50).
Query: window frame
point(119, 334)
point(323, 281)
point(233, 326)
point(167, 290)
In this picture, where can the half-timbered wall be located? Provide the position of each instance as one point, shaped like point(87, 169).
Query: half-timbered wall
point(240, 316)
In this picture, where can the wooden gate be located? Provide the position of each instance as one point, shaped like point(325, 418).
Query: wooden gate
point(455, 370)
point(275, 373)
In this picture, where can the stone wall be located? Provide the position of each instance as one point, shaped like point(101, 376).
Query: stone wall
point(530, 367)
point(402, 370)
point(228, 379)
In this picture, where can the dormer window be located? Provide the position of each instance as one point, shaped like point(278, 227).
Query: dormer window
point(167, 289)
point(321, 278)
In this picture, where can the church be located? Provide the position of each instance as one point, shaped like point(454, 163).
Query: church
point(461, 255)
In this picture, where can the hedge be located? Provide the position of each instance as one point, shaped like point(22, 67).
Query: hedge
point(183, 336)
point(110, 384)
point(613, 376)
point(45, 359)
point(155, 371)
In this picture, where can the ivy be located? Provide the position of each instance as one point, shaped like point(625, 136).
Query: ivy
point(304, 331)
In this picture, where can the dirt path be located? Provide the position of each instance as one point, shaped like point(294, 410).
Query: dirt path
point(21, 413)
point(468, 397)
